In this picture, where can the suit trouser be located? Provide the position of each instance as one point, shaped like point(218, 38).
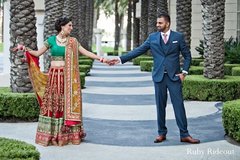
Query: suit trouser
point(175, 90)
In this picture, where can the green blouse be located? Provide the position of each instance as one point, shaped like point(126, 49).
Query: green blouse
point(55, 49)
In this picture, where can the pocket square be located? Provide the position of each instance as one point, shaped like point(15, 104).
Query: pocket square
point(174, 41)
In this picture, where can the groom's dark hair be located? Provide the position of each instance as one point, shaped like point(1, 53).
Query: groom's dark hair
point(165, 16)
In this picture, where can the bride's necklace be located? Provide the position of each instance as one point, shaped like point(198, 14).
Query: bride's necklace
point(61, 40)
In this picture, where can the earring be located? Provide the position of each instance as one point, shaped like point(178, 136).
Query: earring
point(62, 33)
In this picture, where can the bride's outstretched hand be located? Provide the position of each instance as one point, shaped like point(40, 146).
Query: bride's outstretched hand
point(19, 47)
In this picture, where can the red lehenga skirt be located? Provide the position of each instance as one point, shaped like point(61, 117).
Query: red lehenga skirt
point(53, 128)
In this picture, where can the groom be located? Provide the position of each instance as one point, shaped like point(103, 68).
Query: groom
point(166, 46)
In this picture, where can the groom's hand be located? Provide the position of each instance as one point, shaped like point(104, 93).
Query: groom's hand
point(113, 61)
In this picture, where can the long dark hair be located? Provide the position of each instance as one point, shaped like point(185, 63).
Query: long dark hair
point(61, 22)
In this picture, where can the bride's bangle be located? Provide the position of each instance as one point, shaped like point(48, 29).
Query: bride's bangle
point(101, 59)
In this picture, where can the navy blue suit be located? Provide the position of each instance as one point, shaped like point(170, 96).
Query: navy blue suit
point(165, 67)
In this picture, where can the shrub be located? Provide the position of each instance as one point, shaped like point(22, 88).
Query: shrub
point(231, 119)
point(146, 65)
point(137, 60)
point(82, 78)
point(22, 106)
point(17, 150)
point(232, 50)
point(196, 70)
point(196, 61)
point(197, 87)
point(200, 48)
point(84, 68)
point(228, 68)
point(85, 62)
point(201, 63)
point(113, 53)
point(84, 57)
point(236, 71)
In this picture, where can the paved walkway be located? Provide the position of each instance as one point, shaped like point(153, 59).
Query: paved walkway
point(120, 121)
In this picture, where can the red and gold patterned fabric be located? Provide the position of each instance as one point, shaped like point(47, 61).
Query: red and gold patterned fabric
point(59, 96)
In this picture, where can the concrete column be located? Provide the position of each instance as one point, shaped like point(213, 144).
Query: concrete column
point(40, 39)
point(5, 76)
point(98, 34)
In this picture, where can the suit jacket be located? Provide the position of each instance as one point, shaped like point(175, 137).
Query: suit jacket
point(165, 60)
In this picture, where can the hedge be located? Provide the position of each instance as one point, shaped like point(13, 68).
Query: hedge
point(228, 68)
point(84, 68)
point(21, 106)
point(137, 60)
point(197, 87)
point(196, 70)
point(146, 65)
point(196, 61)
point(231, 119)
point(85, 57)
point(85, 62)
point(17, 150)
point(114, 53)
point(236, 71)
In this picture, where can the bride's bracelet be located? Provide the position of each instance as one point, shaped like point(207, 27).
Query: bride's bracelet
point(101, 59)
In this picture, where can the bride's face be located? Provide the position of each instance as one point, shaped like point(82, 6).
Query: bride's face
point(67, 28)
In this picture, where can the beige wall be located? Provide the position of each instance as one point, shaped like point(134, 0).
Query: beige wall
point(230, 21)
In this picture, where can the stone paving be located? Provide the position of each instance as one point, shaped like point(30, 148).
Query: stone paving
point(120, 121)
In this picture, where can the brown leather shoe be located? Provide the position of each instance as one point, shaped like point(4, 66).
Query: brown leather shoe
point(160, 139)
point(189, 139)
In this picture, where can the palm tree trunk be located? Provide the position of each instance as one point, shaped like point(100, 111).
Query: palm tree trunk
point(53, 11)
point(184, 21)
point(162, 6)
point(152, 16)
point(129, 26)
point(117, 27)
point(213, 13)
point(136, 26)
point(22, 31)
point(82, 23)
point(71, 10)
point(144, 21)
point(91, 21)
point(88, 23)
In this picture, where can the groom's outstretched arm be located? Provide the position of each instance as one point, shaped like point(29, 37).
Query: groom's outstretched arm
point(136, 52)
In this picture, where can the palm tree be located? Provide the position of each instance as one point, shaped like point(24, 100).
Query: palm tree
point(162, 6)
point(129, 25)
point(152, 16)
point(118, 8)
point(136, 26)
point(22, 30)
point(213, 13)
point(184, 21)
point(89, 23)
point(144, 21)
point(53, 11)
point(82, 23)
point(71, 9)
